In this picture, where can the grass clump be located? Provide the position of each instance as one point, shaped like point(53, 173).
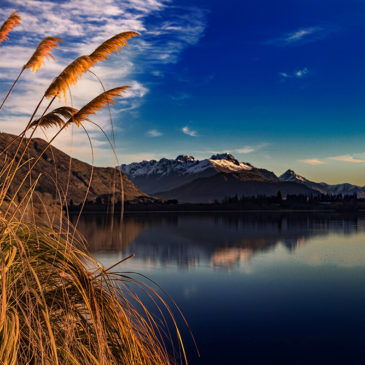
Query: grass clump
point(56, 309)
point(57, 304)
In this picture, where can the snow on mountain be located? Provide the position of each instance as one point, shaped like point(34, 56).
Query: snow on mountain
point(344, 189)
point(290, 175)
point(165, 174)
point(184, 165)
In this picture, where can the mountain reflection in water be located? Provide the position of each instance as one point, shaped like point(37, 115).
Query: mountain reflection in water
point(223, 240)
point(255, 288)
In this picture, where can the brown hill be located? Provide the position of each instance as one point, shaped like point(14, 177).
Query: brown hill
point(54, 170)
point(224, 185)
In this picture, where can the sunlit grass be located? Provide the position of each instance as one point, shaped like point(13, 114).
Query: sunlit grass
point(57, 304)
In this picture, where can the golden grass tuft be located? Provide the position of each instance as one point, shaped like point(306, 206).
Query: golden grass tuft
point(43, 51)
point(68, 77)
point(59, 306)
point(71, 74)
point(8, 25)
point(106, 98)
point(112, 45)
point(53, 119)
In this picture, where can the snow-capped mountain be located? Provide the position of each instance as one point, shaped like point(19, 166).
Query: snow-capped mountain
point(344, 189)
point(166, 174)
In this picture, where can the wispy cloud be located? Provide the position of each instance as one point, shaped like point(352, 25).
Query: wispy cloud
point(301, 35)
point(189, 132)
point(249, 149)
point(84, 24)
point(245, 150)
point(298, 74)
point(347, 158)
point(154, 133)
point(314, 161)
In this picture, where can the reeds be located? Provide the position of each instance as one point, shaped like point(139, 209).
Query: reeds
point(43, 51)
point(71, 74)
point(57, 304)
point(8, 25)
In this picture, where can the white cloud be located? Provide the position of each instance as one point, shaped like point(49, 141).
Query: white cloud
point(302, 35)
point(245, 150)
point(347, 158)
point(189, 131)
point(84, 24)
point(314, 161)
point(298, 74)
point(250, 149)
point(154, 133)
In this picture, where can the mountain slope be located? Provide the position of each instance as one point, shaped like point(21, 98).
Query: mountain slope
point(323, 188)
point(163, 175)
point(223, 185)
point(54, 166)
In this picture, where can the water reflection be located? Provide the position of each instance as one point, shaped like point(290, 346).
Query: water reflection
point(220, 240)
point(255, 288)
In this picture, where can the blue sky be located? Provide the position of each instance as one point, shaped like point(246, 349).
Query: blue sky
point(280, 84)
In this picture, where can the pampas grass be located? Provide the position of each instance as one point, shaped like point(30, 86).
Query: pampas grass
point(43, 51)
point(53, 119)
point(106, 98)
point(8, 25)
point(71, 74)
point(57, 304)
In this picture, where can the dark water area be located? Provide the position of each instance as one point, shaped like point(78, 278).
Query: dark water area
point(267, 288)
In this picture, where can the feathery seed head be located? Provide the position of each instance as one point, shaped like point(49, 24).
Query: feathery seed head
point(12, 21)
point(112, 45)
point(53, 119)
point(69, 76)
point(43, 51)
point(97, 103)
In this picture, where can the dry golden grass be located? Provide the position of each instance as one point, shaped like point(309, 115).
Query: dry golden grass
point(106, 98)
point(71, 74)
point(8, 25)
point(53, 119)
point(43, 51)
point(57, 304)
point(111, 45)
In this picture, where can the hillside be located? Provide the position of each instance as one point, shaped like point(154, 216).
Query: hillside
point(224, 185)
point(54, 166)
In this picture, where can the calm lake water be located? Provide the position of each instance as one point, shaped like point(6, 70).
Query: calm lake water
point(255, 288)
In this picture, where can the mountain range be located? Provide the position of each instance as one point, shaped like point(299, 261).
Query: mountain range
point(191, 180)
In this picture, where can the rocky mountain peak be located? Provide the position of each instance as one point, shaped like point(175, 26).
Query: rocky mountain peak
point(225, 156)
point(184, 158)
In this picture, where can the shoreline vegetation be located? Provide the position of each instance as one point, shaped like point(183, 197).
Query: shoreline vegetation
point(336, 203)
point(57, 304)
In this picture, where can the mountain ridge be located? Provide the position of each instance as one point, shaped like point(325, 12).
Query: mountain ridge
point(155, 176)
point(324, 188)
point(180, 178)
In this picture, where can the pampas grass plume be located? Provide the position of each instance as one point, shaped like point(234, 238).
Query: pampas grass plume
point(97, 103)
point(43, 51)
point(12, 21)
point(70, 75)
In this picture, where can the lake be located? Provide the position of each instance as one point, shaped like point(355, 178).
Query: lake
point(271, 288)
